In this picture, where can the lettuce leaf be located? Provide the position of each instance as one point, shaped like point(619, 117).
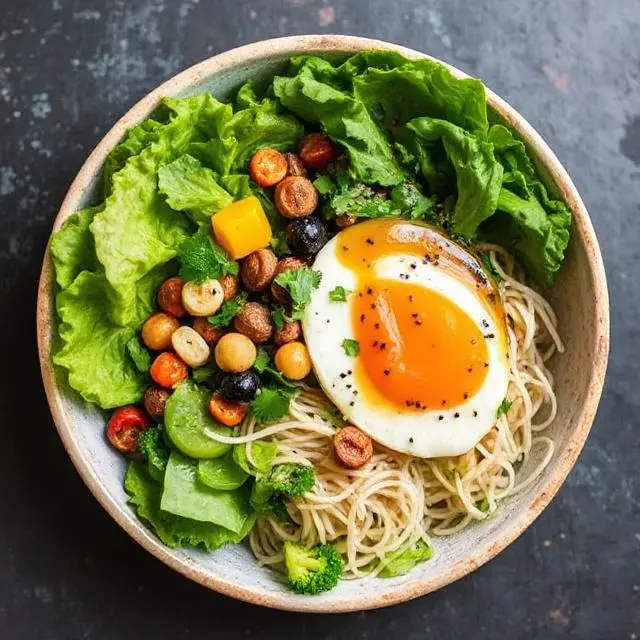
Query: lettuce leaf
point(234, 137)
point(533, 226)
point(94, 349)
point(175, 531)
point(191, 187)
point(343, 118)
point(135, 203)
point(223, 474)
point(73, 248)
point(185, 495)
point(478, 173)
point(422, 88)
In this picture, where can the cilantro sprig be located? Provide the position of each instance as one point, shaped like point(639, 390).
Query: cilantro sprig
point(271, 404)
point(228, 310)
point(299, 284)
point(202, 259)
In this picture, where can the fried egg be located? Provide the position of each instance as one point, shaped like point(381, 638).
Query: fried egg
point(416, 354)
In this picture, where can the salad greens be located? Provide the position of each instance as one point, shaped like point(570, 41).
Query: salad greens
point(414, 142)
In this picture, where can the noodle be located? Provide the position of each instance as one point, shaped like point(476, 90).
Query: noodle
point(395, 498)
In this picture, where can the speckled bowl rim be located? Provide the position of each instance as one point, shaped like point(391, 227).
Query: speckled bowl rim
point(244, 56)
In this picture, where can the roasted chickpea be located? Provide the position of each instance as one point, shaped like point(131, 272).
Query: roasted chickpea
point(317, 151)
point(170, 297)
point(290, 331)
point(296, 197)
point(353, 448)
point(293, 361)
point(279, 293)
point(235, 353)
point(295, 166)
point(226, 412)
point(168, 370)
point(267, 167)
point(258, 269)
point(207, 331)
point(157, 331)
point(154, 401)
point(254, 321)
point(230, 286)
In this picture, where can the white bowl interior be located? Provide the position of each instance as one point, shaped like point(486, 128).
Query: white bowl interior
point(455, 555)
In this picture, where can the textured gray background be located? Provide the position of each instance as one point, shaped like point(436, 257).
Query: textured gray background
point(69, 69)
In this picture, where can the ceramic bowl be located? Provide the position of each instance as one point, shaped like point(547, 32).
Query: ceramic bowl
point(579, 296)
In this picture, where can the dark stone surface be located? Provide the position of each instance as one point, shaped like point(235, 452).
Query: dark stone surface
point(69, 69)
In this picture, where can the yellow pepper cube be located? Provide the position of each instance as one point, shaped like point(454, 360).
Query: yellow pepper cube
point(242, 227)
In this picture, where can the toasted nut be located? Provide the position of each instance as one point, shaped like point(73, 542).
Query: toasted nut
point(230, 286)
point(290, 331)
point(235, 353)
point(154, 400)
point(317, 151)
point(279, 293)
point(293, 361)
point(258, 269)
point(157, 331)
point(296, 197)
point(254, 321)
point(207, 331)
point(345, 220)
point(202, 299)
point(124, 427)
point(228, 413)
point(295, 166)
point(353, 447)
point(170, 297)
point(191, 347)
point(168, 370)
point(267, 167)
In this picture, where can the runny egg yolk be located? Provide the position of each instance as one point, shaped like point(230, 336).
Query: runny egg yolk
point(418, 349)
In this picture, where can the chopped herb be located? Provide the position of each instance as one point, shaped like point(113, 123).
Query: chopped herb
point(505, 405)
point(299, 283)
point(202, 259)
point(489, 268)
point(335, 417)
point(279, 244)
point(279, 317)
point(351, 347)
point(483, 505)
point(339, 294)
point(228, 310)
point(271, 404)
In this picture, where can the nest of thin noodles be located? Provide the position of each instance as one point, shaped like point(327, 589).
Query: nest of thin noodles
point(396, 499)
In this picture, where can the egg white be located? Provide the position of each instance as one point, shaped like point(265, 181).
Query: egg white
point(326, 324)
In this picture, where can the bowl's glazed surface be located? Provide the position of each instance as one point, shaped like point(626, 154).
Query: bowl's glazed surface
point(579, 297)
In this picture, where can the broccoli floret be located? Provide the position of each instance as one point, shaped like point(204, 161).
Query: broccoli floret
point(152, 446)
point(314, 570)
point(292, 480)
point(269, 493)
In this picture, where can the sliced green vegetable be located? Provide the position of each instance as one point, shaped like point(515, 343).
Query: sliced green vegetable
point(222, 473)
point(186, 418)
point(262, 454)
point(399, 563)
